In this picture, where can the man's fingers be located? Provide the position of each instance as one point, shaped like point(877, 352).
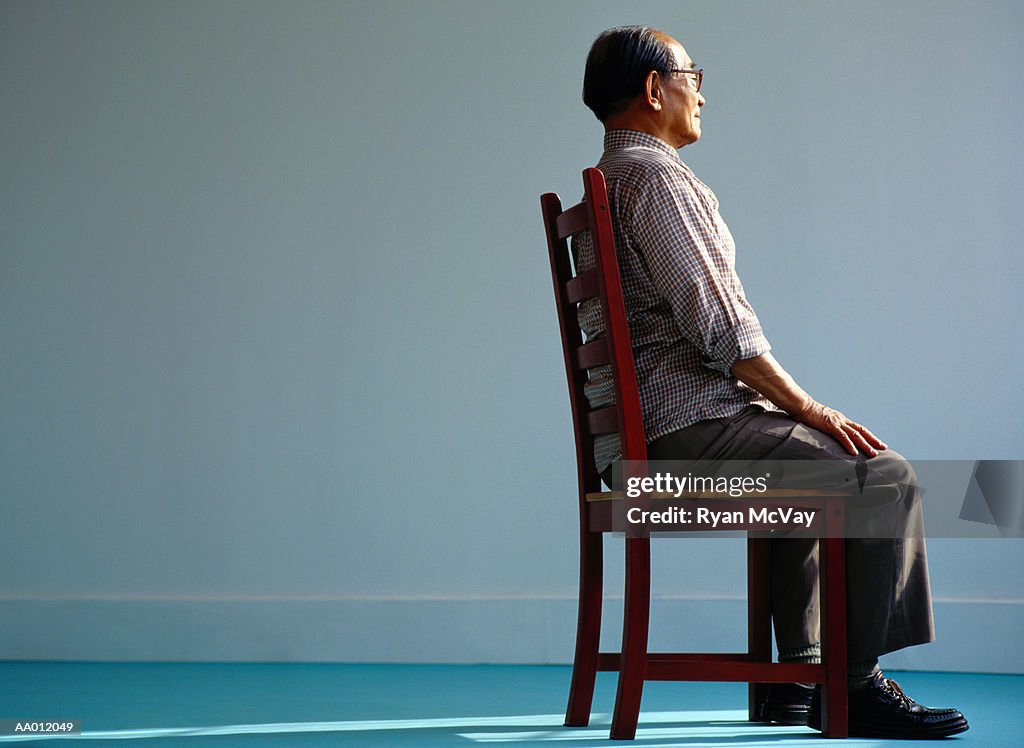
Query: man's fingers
point(859, 440)
point(862, 443)
point(854, 437)
point(871, 439)
point(874, 439)
point(844, 439)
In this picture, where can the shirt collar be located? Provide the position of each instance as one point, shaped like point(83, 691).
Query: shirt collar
point(615, 140)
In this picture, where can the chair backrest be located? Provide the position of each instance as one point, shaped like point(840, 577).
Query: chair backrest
point(615, 348)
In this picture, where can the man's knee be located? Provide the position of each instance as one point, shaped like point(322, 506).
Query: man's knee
point(890, 468)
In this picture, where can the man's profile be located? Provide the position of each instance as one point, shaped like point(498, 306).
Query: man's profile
point(710, 388)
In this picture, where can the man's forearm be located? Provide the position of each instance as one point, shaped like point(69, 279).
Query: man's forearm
point(764, 374)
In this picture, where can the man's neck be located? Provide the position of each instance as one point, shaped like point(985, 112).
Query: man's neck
point(630, 120)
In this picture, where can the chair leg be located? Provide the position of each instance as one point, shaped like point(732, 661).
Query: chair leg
point(588, 630)
point(635, 622)
point(759, 613)
point(834, 703)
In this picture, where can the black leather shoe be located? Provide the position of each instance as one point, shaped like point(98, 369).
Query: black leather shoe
point(787, 703)
point(882, 710)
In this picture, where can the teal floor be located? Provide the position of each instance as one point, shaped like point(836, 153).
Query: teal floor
point(170, 704)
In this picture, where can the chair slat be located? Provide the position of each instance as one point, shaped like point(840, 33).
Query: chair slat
point(604, 421)
point(572, 220)
point(594, 353)
point(583, 286)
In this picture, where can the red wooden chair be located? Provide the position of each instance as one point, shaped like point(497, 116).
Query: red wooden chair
point(634, 663)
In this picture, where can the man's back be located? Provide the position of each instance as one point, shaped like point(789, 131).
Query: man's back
point(688, 317)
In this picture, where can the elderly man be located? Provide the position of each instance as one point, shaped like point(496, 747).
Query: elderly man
point(711, 390)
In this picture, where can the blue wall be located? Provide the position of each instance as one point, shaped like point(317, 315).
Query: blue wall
point(280, 376)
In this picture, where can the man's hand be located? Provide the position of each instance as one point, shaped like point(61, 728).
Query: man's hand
point(764, 374)
point(853, 436)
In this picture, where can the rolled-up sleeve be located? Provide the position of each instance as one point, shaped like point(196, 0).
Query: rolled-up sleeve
point(690, 255)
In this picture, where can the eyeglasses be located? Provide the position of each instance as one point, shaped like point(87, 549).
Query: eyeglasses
point(698, 75)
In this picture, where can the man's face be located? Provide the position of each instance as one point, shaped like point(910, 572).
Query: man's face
point(681, 103)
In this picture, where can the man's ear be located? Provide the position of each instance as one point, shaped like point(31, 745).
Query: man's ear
point(652, 90)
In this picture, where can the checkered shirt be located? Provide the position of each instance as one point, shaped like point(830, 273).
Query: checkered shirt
point(688, 317)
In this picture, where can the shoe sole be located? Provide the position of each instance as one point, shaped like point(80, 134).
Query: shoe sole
point(932, 732)
point(782, 716)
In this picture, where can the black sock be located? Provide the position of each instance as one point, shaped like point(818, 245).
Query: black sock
point(860, 674)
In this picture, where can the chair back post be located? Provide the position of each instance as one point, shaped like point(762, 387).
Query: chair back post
point(627, 393)
point(593, 214)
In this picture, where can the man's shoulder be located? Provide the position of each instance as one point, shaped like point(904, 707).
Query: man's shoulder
point(639, 175)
